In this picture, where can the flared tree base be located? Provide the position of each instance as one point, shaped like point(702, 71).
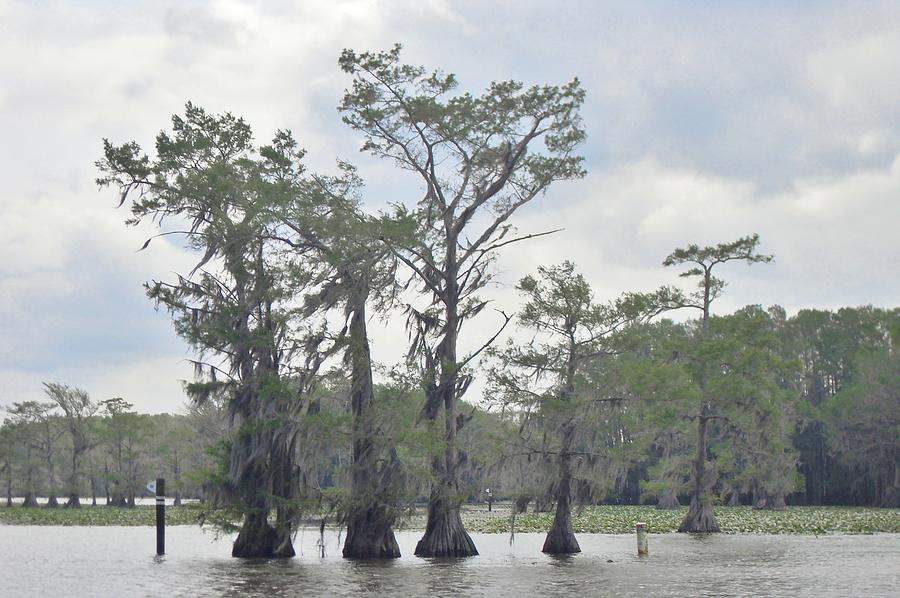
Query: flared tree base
point(285, 547)
point(561, 538)
point(771, 503)
point(561, 541)
point(117, 500)
point(256, 540)
point(73, 503)
point(370, 536)
point(445, 536)
point(668, 500)
point(521, 505)
point(30, 501)
point(52, 503)
point(699, 520)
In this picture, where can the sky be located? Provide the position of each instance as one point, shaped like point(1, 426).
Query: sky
point(706, 121)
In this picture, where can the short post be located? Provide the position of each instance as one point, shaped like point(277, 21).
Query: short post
point(490, 499)
point(160, 516)
point(641, 529)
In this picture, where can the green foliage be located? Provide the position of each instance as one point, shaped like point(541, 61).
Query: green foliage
point(864, 422)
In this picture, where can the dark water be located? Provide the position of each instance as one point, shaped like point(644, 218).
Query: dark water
point(117, 561)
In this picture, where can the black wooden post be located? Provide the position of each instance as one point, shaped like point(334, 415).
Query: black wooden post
point(160, 516)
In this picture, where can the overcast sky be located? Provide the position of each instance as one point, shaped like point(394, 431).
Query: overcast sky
point(706, 121)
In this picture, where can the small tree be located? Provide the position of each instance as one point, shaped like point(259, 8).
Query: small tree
point(113, 434)
point(476, 160)
point(77, 409)
point(702, 262)
point(557, 376)
point(8, 458)
point(43, 432)
point(234, 307)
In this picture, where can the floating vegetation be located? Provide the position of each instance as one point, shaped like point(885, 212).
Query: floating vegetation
point(605, 519)
point(100, 515)
point(620, 519)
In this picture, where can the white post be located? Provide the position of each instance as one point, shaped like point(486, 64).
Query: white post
point(641, 529)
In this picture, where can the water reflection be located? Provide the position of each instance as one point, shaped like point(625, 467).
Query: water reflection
point(557, 560)
point(119, 561)
point(369, 577)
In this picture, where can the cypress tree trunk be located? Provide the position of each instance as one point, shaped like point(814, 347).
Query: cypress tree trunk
point(669, 497)
point(775, 502)
point(445, 535)
point(284, 541)
point(74, 502)
point(892, 496)
point(282, 488)
point(52, 501)
point(257, 539)
point(561, 539)
point(117, 497)
point(8, 487)
point(700, 517)
point(370, 533)
point(735, 499)
point(521, 505)
point(257, 484)
point(30, 495)
point(177, 473)
point(106, 481)
point(668, 500)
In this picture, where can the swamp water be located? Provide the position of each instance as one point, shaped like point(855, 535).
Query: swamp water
point(119, 561)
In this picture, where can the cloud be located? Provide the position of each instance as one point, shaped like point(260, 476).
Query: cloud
point(152, 385)
point(831, 235)
point(705, 123)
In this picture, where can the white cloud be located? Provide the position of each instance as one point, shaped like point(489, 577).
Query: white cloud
point(705, 123)
point(151, 385)
point(834, 239)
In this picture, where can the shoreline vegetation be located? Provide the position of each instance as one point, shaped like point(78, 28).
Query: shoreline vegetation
point(604, 519)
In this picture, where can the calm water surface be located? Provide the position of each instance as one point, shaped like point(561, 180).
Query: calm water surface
point(119, 561)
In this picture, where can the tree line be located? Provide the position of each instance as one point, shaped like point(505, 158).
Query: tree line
point(811, 435)
point(72, 447)
point(605, 400)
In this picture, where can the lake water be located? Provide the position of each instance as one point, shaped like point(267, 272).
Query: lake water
point(120, 561)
